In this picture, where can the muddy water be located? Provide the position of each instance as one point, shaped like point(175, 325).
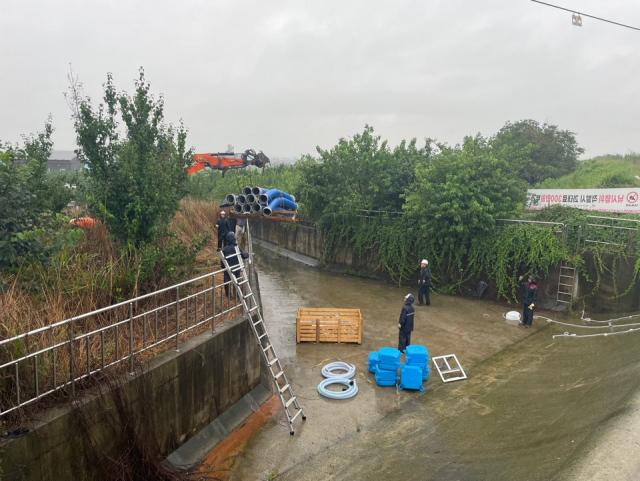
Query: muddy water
point(533, 408)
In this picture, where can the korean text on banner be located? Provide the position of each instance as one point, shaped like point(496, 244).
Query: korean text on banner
point(600, 200)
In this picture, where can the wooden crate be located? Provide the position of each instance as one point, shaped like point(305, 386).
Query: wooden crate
point(277, 216)
point(329, 325)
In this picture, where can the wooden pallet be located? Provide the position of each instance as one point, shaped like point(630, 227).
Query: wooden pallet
point(275, 217)
point(329, 325)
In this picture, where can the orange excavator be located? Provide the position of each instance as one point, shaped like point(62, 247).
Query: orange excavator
point(224, 161)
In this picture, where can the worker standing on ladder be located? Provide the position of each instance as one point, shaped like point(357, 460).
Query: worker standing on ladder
point(229, 252)
point(222, 225)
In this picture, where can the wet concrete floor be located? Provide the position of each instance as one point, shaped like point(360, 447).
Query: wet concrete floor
point(533, 408)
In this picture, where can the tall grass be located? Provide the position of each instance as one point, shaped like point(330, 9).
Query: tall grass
point(92, 274)
point(607, 171)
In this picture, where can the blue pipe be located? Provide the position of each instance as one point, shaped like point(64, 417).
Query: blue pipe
point(281, 202)
point(269, 195)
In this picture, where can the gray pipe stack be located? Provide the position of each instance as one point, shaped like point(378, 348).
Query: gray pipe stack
point(255, 200)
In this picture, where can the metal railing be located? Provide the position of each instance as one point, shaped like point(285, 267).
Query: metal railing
point(366, 216)
point(610, 231)
point(307, 223)
point(379, 214)
point(61, 356)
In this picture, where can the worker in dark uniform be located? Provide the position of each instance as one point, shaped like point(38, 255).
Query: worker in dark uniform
point(232, 226)
point(529, 298)
point(405, 325)
point(233, 260)
point(222, 224)
point(424, 282)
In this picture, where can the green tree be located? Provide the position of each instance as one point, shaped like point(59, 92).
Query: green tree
point(458, 196)
point(136, 174)
point(360, 173)
point(537, 152)
point(23, 196)
point(62, 187)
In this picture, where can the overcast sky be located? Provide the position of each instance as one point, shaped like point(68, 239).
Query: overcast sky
point(285, 76)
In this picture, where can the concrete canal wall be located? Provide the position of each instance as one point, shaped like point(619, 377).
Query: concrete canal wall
point(309, 242)
point(598, 297)
point(170, 400)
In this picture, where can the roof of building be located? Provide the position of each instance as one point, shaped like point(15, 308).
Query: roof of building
point(62, 155)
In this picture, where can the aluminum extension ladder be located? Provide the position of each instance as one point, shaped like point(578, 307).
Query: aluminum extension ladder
point(566, 282)
point(240, 280)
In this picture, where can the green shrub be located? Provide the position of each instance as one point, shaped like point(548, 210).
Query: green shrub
point(135, 178)
point(23, 197)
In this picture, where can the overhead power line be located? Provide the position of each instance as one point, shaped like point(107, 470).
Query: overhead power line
point(586, 15)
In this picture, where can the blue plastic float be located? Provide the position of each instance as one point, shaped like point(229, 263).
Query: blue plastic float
point(373, 361)
point(411, 377)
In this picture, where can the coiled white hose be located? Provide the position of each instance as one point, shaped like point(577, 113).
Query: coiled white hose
point(352, 388)
point(327, 370)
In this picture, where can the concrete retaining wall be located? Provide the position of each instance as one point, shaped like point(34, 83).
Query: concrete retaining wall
point(309, 241)
point(619, 273)
point(175, 396)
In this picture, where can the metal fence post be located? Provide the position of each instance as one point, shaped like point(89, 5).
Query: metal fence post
point(213, 302)
point(71, 365)
point(35, 370)
point(177, 317)
point(131, 337)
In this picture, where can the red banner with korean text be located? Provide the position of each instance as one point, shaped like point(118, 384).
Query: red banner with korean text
point(600, 200)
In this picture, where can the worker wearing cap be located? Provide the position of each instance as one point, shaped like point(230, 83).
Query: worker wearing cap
point(222, 224)
point(424, 283)
point(529, 298)
point(405, 324)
